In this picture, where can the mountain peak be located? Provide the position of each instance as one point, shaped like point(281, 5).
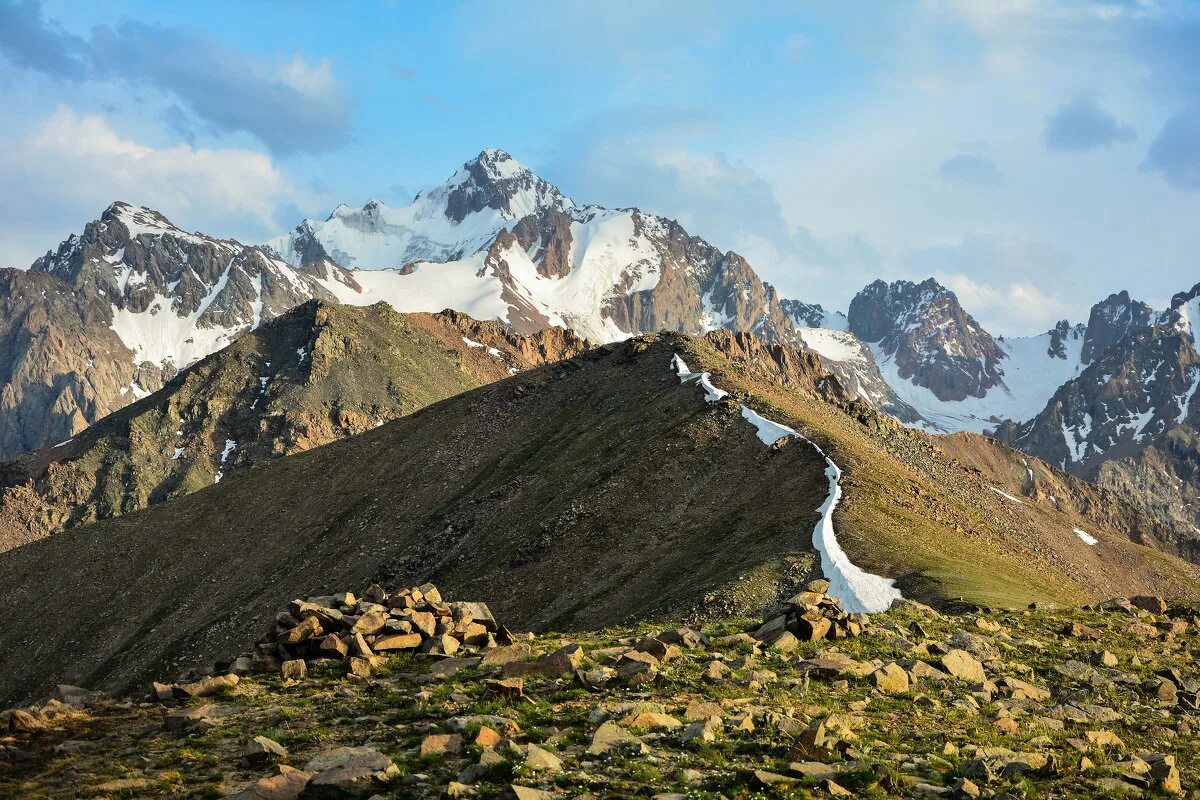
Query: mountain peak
point(139, 219)
point(496, 180)
point(1110, 320)
point(932, 340)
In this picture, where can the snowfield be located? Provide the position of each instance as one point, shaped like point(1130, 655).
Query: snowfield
point(859, 591)
point(1031, 376)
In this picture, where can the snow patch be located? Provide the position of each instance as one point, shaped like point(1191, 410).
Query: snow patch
point(1006, 495)
point(858, 590)
point(1086, 537)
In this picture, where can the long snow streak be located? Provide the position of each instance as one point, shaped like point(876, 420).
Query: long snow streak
point(859, 591)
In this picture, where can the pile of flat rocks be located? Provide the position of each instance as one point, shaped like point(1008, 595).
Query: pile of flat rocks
point(357, 631)
point(809, 616)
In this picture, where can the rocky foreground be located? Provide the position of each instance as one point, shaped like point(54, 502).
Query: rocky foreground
point(406, 695)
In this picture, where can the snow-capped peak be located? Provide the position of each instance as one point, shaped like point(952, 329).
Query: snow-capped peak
point(139, 220)
point(457, 218)
point(1183, 316)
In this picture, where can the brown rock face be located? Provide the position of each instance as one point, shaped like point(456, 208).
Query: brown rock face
point(934, 342)
point(61, 365)
point(699, 288)
point(549, 231)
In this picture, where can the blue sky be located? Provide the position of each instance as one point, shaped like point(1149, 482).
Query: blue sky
point(1034, 156)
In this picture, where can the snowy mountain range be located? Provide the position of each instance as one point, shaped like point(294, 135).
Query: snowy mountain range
point(497, 242)
point(116, 310)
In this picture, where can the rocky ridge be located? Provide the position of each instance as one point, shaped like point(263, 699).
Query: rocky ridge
point(318, 373)
point(115, 311)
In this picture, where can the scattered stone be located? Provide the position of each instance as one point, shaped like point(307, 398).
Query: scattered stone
point(261, 749)
point(442, 744)
point(508, 688)
point(1155, 605)
point(686, 638)
point(890, 679)
point(294, 670)
point(506, 654)
point(715, 672)
point(345, 771)
point(608, 736)
point(399, 641)
point(651, 720)
point(704, 730)
point(21, 721)
point(186, 717)
point(529, 793)
point(205, 687)
point(834, 789)
point(766, 780)
point(487, 737)
point(965, 787)
point(539, 759)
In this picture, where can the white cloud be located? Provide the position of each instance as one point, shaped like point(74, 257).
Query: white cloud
point(1000, 307)
point(71, 166)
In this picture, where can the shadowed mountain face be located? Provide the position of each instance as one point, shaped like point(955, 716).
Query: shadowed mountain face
point(580, 493)
point(318, 373)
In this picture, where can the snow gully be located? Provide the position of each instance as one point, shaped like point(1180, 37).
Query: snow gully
point(858, 591)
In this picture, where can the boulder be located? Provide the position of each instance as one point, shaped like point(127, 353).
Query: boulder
point(442, 744)
point(1155, 605)
point(608, 736)
point(539, 759)
point(702, 730)
point(186, 717)
point(286, 785)
point(332, 646)
point(348, 772)
point(371, 622)
point(294, 670)
point(205, 687)
point(401, 641)
point(890, 679)
point(963, 666)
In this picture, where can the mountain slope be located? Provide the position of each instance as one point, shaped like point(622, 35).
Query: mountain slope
point(583, 492)
point(1128, 422)
point(318, 373)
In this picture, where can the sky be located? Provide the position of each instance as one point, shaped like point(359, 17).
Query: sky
point(1032, 156)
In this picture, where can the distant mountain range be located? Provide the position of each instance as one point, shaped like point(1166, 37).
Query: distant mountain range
point(114, 312)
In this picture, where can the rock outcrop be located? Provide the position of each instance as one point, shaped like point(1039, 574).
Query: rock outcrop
point(933, 341)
